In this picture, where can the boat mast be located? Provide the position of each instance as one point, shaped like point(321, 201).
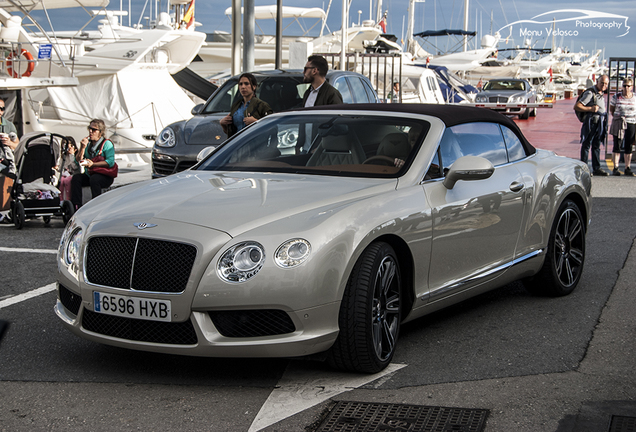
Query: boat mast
point(465, 24)
point(343, 35)
point(410, 42)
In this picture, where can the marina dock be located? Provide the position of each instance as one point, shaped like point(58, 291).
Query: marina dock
point(558, 129)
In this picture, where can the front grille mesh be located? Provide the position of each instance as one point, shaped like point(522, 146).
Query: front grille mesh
point(69, 299)
point(140, 330)
point(140, 264)
point(498, 99)
point(163, 167)
point(252, 323)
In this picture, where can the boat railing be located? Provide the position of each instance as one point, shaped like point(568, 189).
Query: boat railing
point(382, 69)
point(42, 60)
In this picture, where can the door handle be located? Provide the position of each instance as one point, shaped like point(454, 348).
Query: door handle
point(516, 186)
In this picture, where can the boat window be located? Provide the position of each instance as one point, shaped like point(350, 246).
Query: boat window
point(323, 144)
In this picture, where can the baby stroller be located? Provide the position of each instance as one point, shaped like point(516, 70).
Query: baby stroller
point(33, 193)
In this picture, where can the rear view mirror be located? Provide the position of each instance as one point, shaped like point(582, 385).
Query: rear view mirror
point(468, 168)
point(197, 109)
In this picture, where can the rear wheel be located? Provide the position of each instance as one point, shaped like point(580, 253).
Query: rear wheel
point(18, 215)
point(370, 313)
point(565, 256)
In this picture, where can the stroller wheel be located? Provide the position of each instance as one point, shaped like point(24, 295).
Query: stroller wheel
point(46, 219)
point(67, 211)
point(19, 216)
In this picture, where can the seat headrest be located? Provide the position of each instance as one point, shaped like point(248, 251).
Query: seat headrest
point(333, 130)
point(394, 145)
point(336, 144)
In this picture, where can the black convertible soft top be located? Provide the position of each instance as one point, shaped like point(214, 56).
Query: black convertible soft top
point(451, 115)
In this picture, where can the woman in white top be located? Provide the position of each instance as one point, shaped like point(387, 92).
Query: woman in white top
point(623, 129)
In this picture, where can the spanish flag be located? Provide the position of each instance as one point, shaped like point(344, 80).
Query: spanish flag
point(188, 18)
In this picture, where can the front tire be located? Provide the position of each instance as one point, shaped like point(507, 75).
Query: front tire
point(565, 256)
point(370, 313)
point(525, 115)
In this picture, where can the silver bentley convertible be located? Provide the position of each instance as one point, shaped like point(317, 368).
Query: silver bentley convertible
point(371, 216)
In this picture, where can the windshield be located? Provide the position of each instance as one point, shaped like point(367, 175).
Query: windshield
point(280, 92)
point(327, 144)
point(504, 85)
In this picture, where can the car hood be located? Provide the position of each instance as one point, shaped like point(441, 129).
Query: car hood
point(204, 130)
point(231, 202)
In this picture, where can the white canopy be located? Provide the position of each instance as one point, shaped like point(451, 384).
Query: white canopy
point(147, 100)
point(29, 5)
point(269, 12)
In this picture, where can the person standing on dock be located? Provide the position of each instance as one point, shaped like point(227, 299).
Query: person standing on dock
point(320, 92)
point(623, 129)
point(594, 125)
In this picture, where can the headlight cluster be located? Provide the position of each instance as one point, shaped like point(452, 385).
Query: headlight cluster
point(481, 98)
point(70, 244)
point(292, 253)
point(243, 261)
point(517, 99)
point(166, 138)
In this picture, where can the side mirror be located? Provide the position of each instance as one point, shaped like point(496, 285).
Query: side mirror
point(205, 153)
point(468, 168)
point(197, 109)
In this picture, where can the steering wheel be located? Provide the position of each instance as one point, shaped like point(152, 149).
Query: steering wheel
point(380, 160)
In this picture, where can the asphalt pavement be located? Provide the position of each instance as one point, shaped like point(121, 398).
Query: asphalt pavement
point(574, 383)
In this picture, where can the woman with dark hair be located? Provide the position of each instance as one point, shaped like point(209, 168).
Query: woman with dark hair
point(245, 110)
point(97, 155)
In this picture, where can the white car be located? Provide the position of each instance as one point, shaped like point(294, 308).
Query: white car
point(379, 214)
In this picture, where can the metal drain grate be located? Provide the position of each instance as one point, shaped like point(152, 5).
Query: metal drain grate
point(622, 424)
point(382, 417)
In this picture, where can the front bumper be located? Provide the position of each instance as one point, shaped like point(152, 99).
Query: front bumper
point(314, 330)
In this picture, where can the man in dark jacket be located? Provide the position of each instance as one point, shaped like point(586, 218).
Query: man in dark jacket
point(594, 127)
point(320, 92)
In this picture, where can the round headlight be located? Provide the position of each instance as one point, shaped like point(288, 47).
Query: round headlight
point(481, 98)
point(517, 99)
point(292, 253)
point(72, 249)
point(241, 262)
point(166, 138)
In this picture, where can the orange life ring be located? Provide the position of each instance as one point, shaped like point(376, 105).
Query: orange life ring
point(27, 55)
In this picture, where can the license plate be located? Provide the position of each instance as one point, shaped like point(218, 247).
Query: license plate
point(132, 307)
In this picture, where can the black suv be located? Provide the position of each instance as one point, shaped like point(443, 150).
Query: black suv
point(178, 144)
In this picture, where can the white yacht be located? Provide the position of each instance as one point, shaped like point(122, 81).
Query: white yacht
point(123, 73)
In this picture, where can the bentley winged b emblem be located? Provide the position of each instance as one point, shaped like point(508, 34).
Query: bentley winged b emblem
point(144, 225)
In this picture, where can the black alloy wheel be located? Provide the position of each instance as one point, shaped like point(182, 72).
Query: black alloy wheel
point(370, 313)
point(565, 255)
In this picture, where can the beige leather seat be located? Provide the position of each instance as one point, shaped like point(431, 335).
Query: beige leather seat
point(395, 145)
point(337, 147)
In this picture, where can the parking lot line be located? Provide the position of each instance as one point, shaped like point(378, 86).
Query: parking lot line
point(48, 251)
point(27, 295)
